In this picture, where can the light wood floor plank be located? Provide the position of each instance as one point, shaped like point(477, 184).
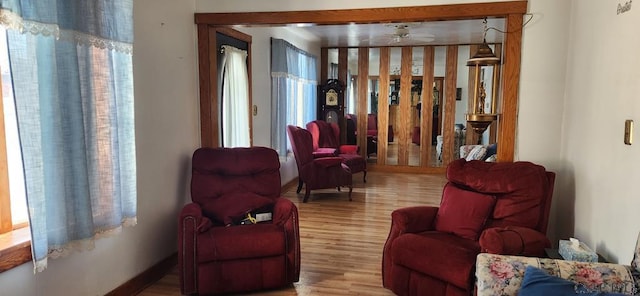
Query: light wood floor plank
point(341, 241)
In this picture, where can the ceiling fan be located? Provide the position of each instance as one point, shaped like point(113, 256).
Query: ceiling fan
point(407, 33)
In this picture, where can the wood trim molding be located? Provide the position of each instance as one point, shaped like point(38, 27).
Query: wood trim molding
point(404, 106)
point(450, 83)
point(208, 78)
point(370, 15)
point(15, 248)
point(383, 106)
point(511, 77)
point(208, 130)
point(147, 277)
point(426, 108)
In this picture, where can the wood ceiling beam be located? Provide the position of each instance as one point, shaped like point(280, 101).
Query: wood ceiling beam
point(368, 15)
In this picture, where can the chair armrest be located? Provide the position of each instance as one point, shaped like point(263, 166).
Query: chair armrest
point(190, 223)
point(285, 213)
point(405, 220)
point(414, 219)
point(514, 240)
point(348, 149)
point(328, 161)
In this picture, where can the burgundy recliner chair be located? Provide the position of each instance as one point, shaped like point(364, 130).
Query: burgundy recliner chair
point(215, 255)
point(326, 142)
point(499, 208)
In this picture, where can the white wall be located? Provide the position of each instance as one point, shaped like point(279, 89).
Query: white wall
point(166, 121)
point(602, 88)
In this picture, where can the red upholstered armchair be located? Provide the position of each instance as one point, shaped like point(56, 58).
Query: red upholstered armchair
point(216, 256)
point(316, 173)
point(326, 142)
point(499, 208)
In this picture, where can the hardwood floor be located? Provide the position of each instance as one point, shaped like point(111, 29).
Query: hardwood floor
point(342, 241)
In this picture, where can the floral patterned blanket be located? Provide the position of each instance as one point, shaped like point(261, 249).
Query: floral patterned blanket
point(502, 275)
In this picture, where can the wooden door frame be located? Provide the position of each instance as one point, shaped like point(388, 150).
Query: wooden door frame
point(512, 11)
point(208, 72)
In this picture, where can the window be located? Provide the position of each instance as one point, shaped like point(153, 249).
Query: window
point(12, 199)
point(14, 233)
point(72, 79)
point(293, 91)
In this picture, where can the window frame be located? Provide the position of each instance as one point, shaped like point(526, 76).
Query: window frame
point(15, 242)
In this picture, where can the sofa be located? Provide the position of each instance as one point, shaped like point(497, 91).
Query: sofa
point(509, 275)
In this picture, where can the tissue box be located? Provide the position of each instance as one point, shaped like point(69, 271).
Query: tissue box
point(582, 253)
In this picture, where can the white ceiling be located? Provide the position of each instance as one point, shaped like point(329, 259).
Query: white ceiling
point(401, 34)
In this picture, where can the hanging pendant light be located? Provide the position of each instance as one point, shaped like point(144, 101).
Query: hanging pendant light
point(478, 119)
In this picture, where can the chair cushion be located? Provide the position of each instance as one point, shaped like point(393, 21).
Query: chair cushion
point(241, 242)
point(537, 282)
point(440, 255)
point(233, 207)
point(463, 212)
point(324, 152)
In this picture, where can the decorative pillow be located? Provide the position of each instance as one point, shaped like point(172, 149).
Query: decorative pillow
point(477, 153)
point(231, 208)
point(492, 158)
point(463, 212)
point(537, 282)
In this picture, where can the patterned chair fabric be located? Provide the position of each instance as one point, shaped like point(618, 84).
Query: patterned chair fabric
point(503, 274)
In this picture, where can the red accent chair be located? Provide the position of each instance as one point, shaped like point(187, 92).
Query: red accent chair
point(326, 142)
point(499, 208)
point(215, 257)
point(316, 173)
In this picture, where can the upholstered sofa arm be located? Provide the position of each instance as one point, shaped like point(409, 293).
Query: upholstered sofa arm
point(190, 223)
point(285, 213)
point(513, 240)
point(503, 275)
point(349, 149)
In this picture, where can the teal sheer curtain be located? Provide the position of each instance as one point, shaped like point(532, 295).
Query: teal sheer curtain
point(294, 81)
point(73, 88)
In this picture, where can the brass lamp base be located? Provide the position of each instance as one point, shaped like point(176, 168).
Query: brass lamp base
point(480, 122)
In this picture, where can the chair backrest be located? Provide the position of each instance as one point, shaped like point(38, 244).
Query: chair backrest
point(220, 171)
point(324, 134)
point(523, 190)
point(372, 122)
point(302, 145)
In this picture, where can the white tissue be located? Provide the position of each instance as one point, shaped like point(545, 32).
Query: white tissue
point(575, 243)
